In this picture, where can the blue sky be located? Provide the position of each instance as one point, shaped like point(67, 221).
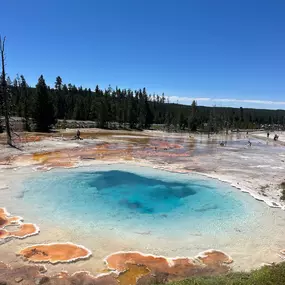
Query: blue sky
point(228, 53)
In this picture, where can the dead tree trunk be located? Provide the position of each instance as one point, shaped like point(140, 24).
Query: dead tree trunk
point(4, 92)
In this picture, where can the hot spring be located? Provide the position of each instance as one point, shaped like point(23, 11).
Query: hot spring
point(141, 200)
point(110, 208)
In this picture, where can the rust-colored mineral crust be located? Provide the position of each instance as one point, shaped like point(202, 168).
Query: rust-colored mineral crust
point(25, 230)
point(55, 253)
point(108, 151)
point(214, 257)
point(3, 233)
point(33, 274)
point(209, 261)
point(6, 219)
point(22, 231)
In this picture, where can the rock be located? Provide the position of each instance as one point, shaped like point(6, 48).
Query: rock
point(18, 279)
point(41, 280)
point(3, 282)
point(267, 264)
point(42, 269)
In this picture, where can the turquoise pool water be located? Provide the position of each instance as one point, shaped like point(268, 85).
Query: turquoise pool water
point(137, 198)
point(122, 207)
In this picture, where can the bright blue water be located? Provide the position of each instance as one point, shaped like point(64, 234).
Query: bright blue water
point(137, 198)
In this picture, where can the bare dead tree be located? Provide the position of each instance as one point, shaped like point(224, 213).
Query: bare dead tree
point(4, 92)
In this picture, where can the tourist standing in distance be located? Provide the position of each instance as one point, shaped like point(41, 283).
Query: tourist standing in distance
point(78, 135)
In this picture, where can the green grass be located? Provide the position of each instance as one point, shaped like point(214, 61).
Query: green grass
point(267, 275)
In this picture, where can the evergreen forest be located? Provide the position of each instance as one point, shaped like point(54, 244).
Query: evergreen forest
point(42, 106)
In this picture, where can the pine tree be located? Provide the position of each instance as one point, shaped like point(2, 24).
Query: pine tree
point(136, 109)
point(145, 118)
point(182, 121)
point(58, 83)
point(25, 98)
point(60, 98)
point(141, 110)
point(44, 115)
point(1, 107)
point(210, 126)
point(16, 94)
point(4, 93)
point(103, 112)
point(133, 110)
point(148, 114)
point(168, 120)
point(192, 120)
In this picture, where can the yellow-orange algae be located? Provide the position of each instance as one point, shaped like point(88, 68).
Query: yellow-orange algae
point(55, 252)
point(68, 158)
point(132, 274)
point(46, 156)
point(56, 159)
point(214, 261)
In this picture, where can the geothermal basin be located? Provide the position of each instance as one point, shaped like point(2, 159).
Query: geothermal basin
point(123, 207)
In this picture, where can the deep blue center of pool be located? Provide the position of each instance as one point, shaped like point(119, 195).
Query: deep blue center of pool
point(136, 193)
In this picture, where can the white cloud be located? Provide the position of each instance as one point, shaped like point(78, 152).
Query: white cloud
point(187, 100)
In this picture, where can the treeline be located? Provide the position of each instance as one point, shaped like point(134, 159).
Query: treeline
point(42, 106)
